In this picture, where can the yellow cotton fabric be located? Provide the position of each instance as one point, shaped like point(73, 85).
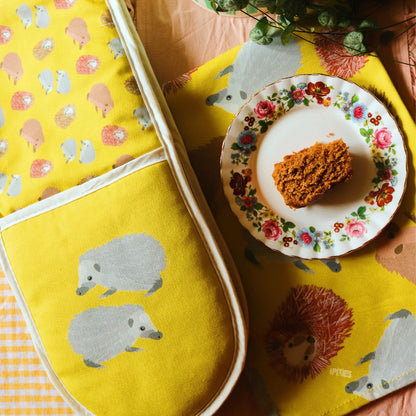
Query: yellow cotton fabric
point(181, 371)
point(60, 67)
point(374, 281)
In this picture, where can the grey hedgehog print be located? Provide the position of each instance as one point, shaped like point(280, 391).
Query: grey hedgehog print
point(392, 362)
point(255, 67)
point(100, 334)
point(133, 262)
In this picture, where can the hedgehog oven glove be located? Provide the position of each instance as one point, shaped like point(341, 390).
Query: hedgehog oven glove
point(119, 269)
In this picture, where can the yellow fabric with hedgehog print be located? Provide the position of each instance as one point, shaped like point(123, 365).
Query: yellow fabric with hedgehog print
point(329, 334)
point(123, 279)
point(126, 323)
point(70, 108)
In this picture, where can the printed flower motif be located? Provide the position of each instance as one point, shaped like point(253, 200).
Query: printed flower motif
point(346, 108)
point(358, 112)
point(247, 139)
point(356, 228)
point(297, 95)
point(247, 173)
point(387, 175)
point(382, 138)
point(271, 230)
point(264, 109)
point(305, 237)
point(248, 202)
point(318, 90)
point(327, 102)
point(280, 110)
point(384, 195)
point(238, 183)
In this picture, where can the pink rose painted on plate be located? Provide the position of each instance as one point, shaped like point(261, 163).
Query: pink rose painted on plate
point(271, 230)
point(264, 109)
point(306, 238)
point(382, 138)
point(356, 229)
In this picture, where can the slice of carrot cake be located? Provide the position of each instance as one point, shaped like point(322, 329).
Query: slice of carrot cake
point(304, 176)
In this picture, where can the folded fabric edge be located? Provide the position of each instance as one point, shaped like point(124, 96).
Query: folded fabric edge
point(191, 193)
point(62, 198)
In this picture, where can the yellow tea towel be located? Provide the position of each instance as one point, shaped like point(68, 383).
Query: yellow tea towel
point(325, 336)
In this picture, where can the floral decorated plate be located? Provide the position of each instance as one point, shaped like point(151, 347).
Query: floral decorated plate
point(295, 113)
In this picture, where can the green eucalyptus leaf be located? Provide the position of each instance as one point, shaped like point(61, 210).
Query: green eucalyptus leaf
point(231, 5)
point(294, 8)
point(256, 35)
point(263, 3)
point(263, 31)
point(282, 20)
point(368, 23)
point(353, 43)
point(345, 22)
point(286, 34)
point(327, 18)
point(251, 9)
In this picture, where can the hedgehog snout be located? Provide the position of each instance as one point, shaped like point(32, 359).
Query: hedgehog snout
point(82, 290)
point(156, 335)
point(351, 387)
point(356, 385)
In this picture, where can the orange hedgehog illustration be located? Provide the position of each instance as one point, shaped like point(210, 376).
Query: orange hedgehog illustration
point(177, 83)
point(40, 168)
point(43, 48)
point(131, 85)
point(396, 251)
point(87, 64)
point(64, 4)
point(5, 34)
point(47, 192)
point(22, 100)
point(114, 135)
point(106, 19)
point(65, 116)
point(335, 59)
point(123, 159)
point(307, 331)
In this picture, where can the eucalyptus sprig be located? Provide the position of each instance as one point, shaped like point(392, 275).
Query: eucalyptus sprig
point(287, 18)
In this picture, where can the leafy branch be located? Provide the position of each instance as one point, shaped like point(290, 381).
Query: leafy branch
point(339, 21)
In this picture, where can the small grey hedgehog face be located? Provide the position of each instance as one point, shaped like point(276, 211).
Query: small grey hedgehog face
point(227, 99)
point(364, 385)
point(143, 325)
point(88, 273)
